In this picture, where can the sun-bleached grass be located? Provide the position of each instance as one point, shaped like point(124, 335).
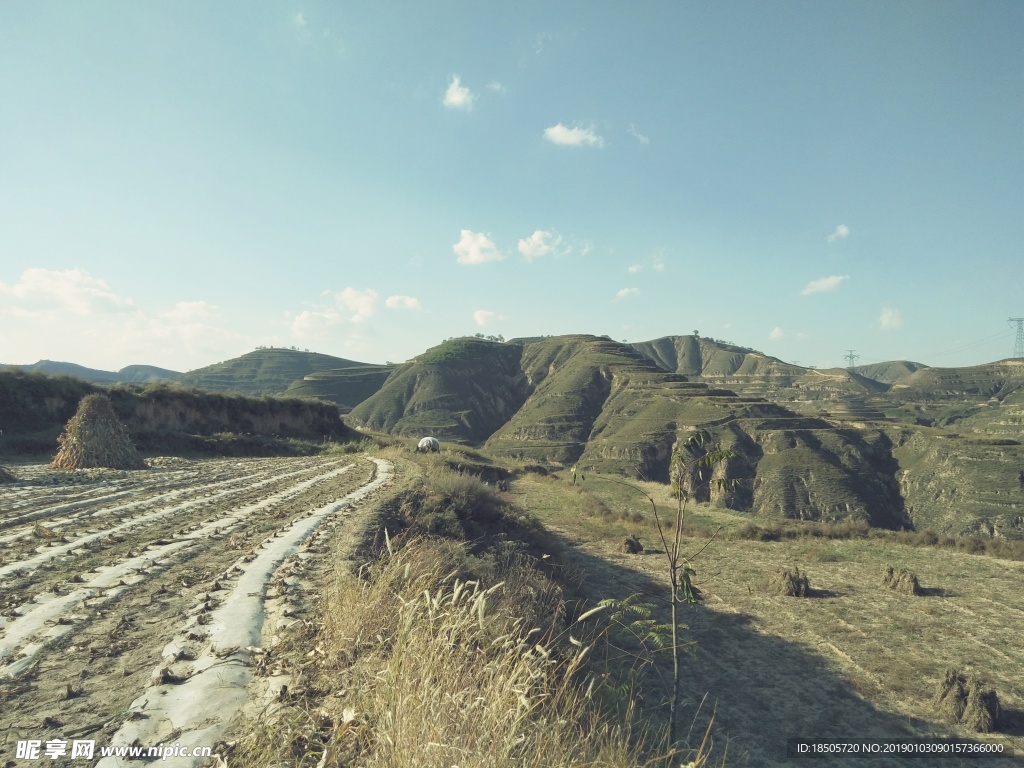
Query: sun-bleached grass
point(449, 678)
point(447, 652)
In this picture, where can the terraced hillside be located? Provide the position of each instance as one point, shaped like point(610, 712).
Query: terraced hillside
point(461, 390)
point(610, 407)
point(754, 374)
point(264, 371)
point(345, 387)
point(982, 399)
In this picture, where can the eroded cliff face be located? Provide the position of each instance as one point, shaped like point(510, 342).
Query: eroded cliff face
point(953, 484)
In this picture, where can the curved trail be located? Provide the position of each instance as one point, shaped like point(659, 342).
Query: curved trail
point(143, 594)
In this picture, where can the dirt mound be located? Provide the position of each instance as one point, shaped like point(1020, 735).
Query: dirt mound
point(790, 583)
point(901, 580)
point(95, 438)
point(967, 701)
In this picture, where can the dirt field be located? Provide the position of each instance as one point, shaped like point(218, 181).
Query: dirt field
point(131, 602)
point(853, 662)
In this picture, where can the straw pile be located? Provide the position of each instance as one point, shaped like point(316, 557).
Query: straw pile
point(632, 546)
point(967, 701)
point(790, 584)
point(95, 438)
point(901, 580)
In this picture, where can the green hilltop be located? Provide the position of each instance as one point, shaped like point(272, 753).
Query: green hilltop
point(811, 444)
point(265, 371)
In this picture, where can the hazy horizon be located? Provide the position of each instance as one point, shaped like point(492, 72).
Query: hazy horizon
point(185, 180)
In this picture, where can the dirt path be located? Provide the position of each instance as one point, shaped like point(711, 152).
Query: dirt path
point(123, 593)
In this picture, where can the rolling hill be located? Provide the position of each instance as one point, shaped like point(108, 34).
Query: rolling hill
point(264, 371)
point(614, 407)
point(132, 374)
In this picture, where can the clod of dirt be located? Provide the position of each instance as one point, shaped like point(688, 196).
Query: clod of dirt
point(967, 701)
point(95, 438)
point(790, 584)
point(901, 580)
point(632, 546)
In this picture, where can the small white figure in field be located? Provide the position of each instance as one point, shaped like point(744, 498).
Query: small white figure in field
point(428, 445)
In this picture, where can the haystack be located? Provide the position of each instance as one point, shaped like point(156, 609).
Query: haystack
point(901, 580)
point(967, 701)
point(95, 438)
point(632, 546)
point(790, 583)
point(5, 476)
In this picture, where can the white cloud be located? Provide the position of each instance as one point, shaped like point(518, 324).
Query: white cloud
point(802, 336)
point(351, 307)
point(402, 302)
point(634, 268)
point(776, 334)
point(48, 291)
point(458, 96)
point(185, 311)
point(823, 284)
point(626, 293)
point(890, 319)
point(312, 324)
point(658, 262)
point(573, 137)
point(476, 248)
point(495, 86)
point(542, 243)
point(362, 304)
point(841, 231)
point(637, 135)
point(483, 317)
point(299, 20)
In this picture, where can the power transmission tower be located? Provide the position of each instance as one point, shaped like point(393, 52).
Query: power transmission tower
point(1018, 348)
point(851, 357)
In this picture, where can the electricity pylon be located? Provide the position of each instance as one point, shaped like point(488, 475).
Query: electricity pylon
point(851, 357)
point(1018, 348)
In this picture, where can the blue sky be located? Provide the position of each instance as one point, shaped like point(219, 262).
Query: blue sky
point(181, 182)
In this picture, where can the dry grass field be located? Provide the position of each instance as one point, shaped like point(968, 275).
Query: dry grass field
point(854, 661)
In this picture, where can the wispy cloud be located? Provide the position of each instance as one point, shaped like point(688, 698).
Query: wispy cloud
point(350, 307)
point(495, 86)
point(823, 284)
point(402, 302)
point(637, 135)
point(842, 231)
point(46, 291)
point(890, 319)
point(476, 248)
point(776, 334)
point(573, 137)
point(626, 293)
point(484, 317)
point(458, 96)
point(543, 243)
point(634, 268)
point(299, 20)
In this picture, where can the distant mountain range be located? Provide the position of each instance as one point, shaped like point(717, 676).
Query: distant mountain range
point(894, 444)
point(131, 374)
